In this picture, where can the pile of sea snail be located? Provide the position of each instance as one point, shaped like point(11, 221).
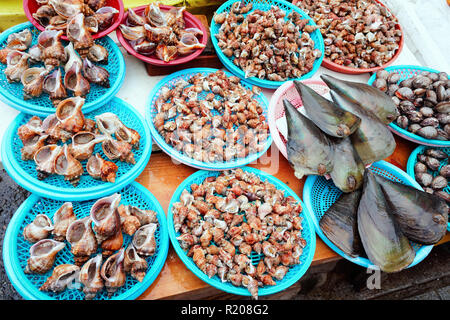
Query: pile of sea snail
point(92, 239)
point(265, 45)
point(432, 171)
point(423, 102)
point(42, 143)
point(357, 33)
point(57, 69)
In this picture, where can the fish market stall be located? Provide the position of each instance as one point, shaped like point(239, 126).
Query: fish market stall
point(133, 163)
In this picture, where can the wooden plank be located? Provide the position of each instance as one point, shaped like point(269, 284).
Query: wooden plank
point(163, 175)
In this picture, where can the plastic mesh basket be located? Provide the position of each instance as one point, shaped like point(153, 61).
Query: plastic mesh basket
point(16, 248)
point(276, 107)
point(54, 186)
point(406, 72)
point(12, 93)
point(412, 160)
point(295, 272)
point(265, 5)
point(319, 194)
point(151, 112)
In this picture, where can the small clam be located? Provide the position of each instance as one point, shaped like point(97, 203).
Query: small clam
point(445, 171)
point(427, 132)
point(432, 163)
point(419, 167)
point(424, 179)
point(439, 182)
point(444, 195)
point(436, 153)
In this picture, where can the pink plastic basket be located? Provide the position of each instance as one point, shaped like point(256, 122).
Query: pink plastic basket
point(276, 108)
point(191, 22)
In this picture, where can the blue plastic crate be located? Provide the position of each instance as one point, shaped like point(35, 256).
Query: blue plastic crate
point(265, 5)
point(151, 112)
point(16, 248)
point(319, 194)
point(12, 93)
point(294, 273)
point(55, 187)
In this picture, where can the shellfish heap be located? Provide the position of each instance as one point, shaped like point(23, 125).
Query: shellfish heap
point(40, 142)
point(101, 233)
point(356, 33)
point(423, 102)
point(229, 123)
point(59, 70)
point(265, 45)
point(57, 15)
point(161, 33)
point(228, 220)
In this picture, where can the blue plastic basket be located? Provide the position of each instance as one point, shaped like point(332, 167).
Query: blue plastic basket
point(407, 71)
point(54, 186)
point(412, 160)
point(16, 248)
point(12, 93)
point(151, 112)
point(294, 274)
point(319, 194)
point(265, 5)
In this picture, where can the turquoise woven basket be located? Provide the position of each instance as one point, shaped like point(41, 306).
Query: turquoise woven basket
point(319, 194)
point(151, 112)
point(16, 248)
point(12, 93)
point(265, 5)
point(412, 160)
point(295, 272)
point(407, 71)
point(54, 186)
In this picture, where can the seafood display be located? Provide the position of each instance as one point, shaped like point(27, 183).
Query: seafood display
point(97, 263)
point(228, 123)
point(432, 172)
point(160, 33)
point(225, 221)
point(61, 143)
point(52, 68)
point(422, 100)
point(339, 137)
point(270, 45)
point(65, 15)
point(381, 219)
point(357, 33)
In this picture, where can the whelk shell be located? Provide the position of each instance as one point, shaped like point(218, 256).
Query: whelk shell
point(75, 82)
point(33, 82)
point(90, 277)
point(113, 272)
point(82, 240)
point(134, 264)
point(67, 166)
point(98, 168)
point(144, 239)
point(53, 85)
point(105, 216)
point(39, 229)
point(95, 74)
point(62, 219)
point(62, 277)
point(42, 256)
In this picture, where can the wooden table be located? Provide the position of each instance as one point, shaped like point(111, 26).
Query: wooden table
point(163, 175)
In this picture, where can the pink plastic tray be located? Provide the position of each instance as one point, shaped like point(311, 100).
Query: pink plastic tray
point(276, 108)
point(191, 22)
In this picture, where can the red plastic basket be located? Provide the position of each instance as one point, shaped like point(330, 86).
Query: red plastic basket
point(190, 21)
point(342, 69)
point(31, 6)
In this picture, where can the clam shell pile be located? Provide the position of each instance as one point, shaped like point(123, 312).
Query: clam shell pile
point(422, 100)
point(226, 220)
point(49, 67)
point(163, 34)
point(265, 45)
point(57, 15)
point(356, 33)
point(41, 143)
point(432, 172)
point(228, 123)
point(97, 244)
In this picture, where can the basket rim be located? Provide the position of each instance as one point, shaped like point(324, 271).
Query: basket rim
point(402, 132)
point(217, 284)
point(327, 63)
point(13, 268)
point(155, 61)
point(27, 106)
point(183, 158)
point(272, 109)
point(45, 190)
point(361, 261)
point(412, 160)
point(97, 35)
point(262, 82)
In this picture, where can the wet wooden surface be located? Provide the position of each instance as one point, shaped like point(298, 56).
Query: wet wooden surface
point(163, 175)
